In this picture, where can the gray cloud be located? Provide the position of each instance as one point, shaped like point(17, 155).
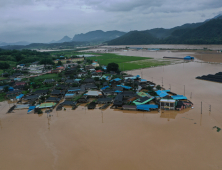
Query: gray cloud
point(45, 20)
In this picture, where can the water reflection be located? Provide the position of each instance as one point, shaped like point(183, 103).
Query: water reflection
point(1, 124)
point(171, 114)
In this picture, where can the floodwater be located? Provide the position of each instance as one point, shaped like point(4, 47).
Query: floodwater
point(111, 139)
point(170, 46)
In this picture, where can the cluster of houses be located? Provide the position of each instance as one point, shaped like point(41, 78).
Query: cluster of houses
point(94, 87)
point(127, 93)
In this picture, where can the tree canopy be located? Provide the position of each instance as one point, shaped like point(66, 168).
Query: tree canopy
point(112, 67)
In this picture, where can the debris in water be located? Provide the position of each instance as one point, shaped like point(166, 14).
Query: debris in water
point(218, 129)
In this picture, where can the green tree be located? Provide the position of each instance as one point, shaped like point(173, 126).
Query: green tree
point(6, 89)
point(158, 87)
point(113, 67)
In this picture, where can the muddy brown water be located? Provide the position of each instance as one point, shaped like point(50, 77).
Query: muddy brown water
point(122, 140)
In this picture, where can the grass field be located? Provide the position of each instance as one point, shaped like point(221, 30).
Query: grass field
point(124, 62)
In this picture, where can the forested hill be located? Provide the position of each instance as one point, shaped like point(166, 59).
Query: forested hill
point(209, 32)
point(135, 38)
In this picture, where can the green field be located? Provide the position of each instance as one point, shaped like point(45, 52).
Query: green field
point(128, 62)
point(124, 62)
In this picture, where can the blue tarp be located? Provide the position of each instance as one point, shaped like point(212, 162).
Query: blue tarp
point(17, 79)
point(116, 79)
point(20, 96)
point(107, 77)
point(162, 93)
point(118, 91)
point(104, 87)
point(75, 90)
point(147, 107)
point(10, 89)
point(179, 97)
point(31, 108)
point(143, 80)
point(188, 58)
point(125, 87)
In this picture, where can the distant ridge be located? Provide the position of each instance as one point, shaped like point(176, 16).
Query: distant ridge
point(98, 36)
point(207, 32)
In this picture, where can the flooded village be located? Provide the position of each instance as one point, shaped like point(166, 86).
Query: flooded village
point(162, 117)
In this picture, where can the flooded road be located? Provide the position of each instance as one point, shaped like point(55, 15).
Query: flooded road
point(122, 140)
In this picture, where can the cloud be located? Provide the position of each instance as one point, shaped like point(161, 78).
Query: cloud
point(45, 20)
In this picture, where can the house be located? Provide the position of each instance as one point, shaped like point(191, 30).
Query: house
point(69, 60)
point(88, 80)
point(12, 94)
point(93, 94)
point(104, 100)
point(83, 99)
point(31, 97)
point(143, 100)
point(68, 103)
point(71, 81)
point(108, 92)
point(99, 71)
point(19, 87)
point(95, 64)
point(20, 83)
point(60, 68)
point(147, 107)
point(128, 94)
point(74, 90)
point(61, 87)
point(55, 71)
point(58, 93)
point(92, 105)
point(53, 99)
point(40, 92)
point(168, 104)
point(21, 66)
point(70, 65)
point(89, 86)
point(118, 101)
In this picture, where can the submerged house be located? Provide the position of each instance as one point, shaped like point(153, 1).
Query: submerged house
point(104, 100)
point(118, 101)
point(143, 100)
point(168, 104)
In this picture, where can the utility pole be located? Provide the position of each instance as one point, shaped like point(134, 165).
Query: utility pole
point(191, 95)
point(184, 90)
point(170, 87)
point(162, 81)
point(201, 107)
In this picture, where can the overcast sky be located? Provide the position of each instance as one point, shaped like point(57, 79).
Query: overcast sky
point(46, 20)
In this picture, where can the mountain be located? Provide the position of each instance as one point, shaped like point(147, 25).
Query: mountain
point(207, 32)
point(15, 43)
point(219, 16)
point(64, 39)
point(64, 45)
point(134, 38)
point(98, 36)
